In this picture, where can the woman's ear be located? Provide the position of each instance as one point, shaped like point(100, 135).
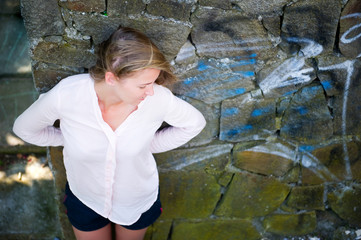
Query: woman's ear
point(110, 78)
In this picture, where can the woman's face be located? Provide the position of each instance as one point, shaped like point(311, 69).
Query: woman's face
point(136, 87)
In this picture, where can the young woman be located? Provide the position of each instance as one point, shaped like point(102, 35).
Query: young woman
point(109, 127)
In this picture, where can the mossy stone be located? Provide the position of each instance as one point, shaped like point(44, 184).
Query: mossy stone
point(251, 195)
point(188, 194)
point(346, 202)
point(215, 230)
point(307, 197)
point(290, 224)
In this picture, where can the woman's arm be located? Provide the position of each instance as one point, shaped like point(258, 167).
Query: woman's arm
point(35, 124)
point(186, 123)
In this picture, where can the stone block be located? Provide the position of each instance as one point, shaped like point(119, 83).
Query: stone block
point(218, 229)
point(319, 22)
point(179, 10)
point(14, 54)
point(246, 118)
point(341, 164)
point(47, 76)
point(16, 95)
point(225, 4)
point(63, 54)
point(124, 7)
point(346, 202)
point(340, 79)
point(349, 37)
point(84, 5)
point(186, 54)
point(251, 195)
point(219, 33)
point(188, 194)
point(257, 8)
point(290, 224)
point(211, 113)
point(42, 18)
point(169, 36)
point(285, 77)
point(271, 158)
point(213, 80)
point(97, 26)
point(307, 198)
point(213, 158)
point(307, 118)
point(159, 230)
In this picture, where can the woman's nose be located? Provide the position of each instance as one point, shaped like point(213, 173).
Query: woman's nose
point(149, 91)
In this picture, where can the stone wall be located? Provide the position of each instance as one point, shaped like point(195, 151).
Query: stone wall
point(279, 85)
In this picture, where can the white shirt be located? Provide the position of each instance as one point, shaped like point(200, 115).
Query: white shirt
point(112, 172)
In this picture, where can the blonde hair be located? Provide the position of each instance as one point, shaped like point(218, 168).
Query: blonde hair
point(127, 51)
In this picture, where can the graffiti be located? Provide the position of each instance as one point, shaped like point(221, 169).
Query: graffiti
point(216, 80)
point(349, 67)
point(292, 71)
point(231, 46)
point(344, 36)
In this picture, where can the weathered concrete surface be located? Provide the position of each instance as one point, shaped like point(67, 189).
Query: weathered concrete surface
point(16, 94)
point(28, 205)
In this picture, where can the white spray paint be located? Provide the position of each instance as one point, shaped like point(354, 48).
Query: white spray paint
point(291, 71)
point(349, 67)
point(344, 38)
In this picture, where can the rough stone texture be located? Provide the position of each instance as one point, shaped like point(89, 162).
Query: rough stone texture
point(168, 35)
point(84, 5)
point(213, 81)
point(225, 4)
point(179, 10)
point(48, 22)
point(256, 8)
point(346, 202)
point(268, 159)
point(215, 229)
point(309, 103)
point(251, 195)
point(211, 158)
point(336, 75)
point(349, 40)
point(45, 76)
point(289, 76)
point(63, 54)
point(211, 113)
point(120, 7)
point(219, 33)
point(336, 160)
point(188, 194)
point(97, 26)
point(247, 118)
point(307, 197)
point(290, 224)
point(319, 21)
point(14, 57)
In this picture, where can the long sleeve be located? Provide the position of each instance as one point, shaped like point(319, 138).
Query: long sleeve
point(186, 123)
point(35, 124)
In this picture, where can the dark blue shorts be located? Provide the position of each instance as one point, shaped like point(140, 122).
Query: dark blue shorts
point(85, 219)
